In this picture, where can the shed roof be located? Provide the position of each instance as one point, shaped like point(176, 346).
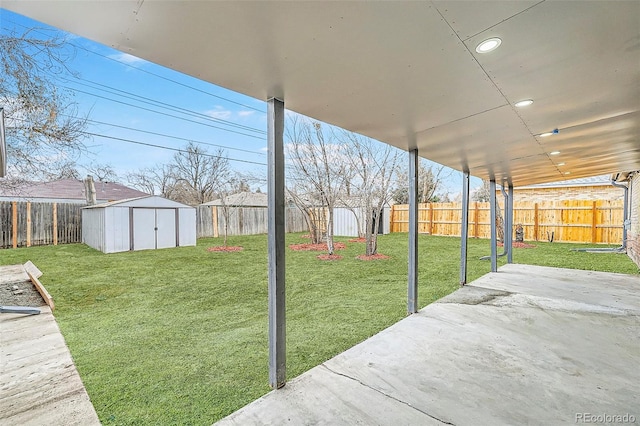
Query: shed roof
point(148, 201)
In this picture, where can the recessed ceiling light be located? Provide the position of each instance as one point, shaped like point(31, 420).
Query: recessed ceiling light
point(488, 45)
point(544, 135)
point(554, 153)
point(524, 103)
point(561, 164)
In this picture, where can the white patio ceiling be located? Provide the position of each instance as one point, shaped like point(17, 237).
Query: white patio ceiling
point(407, 73)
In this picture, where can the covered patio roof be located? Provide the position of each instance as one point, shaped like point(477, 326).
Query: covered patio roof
point(408, 74)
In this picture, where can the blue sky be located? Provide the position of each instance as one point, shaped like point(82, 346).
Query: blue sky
point(112, 88)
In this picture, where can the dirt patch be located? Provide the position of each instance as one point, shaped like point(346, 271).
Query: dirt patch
point(519, 245)
point(316, 247)
point(376, 256)
point(358, 240)
point(329, 257)
point(225, 249)
point(21, 293)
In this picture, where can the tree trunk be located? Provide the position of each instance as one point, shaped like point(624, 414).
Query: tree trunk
point(330, 247)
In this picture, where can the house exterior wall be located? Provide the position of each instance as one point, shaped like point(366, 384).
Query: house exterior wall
point(596, 192)
point(633, 235)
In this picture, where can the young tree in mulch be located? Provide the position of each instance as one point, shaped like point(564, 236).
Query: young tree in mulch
point(374, 164)
point(317, 163)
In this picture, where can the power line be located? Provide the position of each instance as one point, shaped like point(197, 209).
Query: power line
point(147, 100)
point(169, 136)
point(168, 148)
point(145, 71)
point(163, 113)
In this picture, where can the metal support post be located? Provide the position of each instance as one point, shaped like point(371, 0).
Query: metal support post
point(464, 230)
point(508, 232)
point(412, 291)
point(276, 244)
point(494, 233)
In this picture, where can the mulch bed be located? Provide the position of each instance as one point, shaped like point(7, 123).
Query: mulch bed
point(519, 245)
point(316, 247)
point(358, 240)
point(329, 257)
point(376, 256)
point(227, 249)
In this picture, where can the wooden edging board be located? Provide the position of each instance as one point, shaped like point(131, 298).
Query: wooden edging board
point(43, 291)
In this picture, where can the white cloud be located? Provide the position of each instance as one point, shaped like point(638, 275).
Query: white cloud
point(219, 112)
point(125, 58)
point(245, 113)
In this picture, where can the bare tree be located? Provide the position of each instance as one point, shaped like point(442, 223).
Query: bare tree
point(198, 174)
point(483, 194)
point(309, 204)
point(430, 178)
point(43, 131)
point(228, 185)
point(317, 161)
point(375, 165)
point(102, 172)
point(158, 180)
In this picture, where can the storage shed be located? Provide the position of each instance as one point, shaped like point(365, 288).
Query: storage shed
point(143, 223)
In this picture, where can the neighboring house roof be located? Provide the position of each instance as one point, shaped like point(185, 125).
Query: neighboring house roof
point(148, 201)
point(241, 199)
point(70, 189)
point(602, 180)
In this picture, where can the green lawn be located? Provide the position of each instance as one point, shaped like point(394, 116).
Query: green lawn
point(179, 336)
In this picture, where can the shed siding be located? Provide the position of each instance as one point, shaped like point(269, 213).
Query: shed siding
point(116, 229)
point(345, 223)
point(108, 227)
point(187, 222)
point(93, 226)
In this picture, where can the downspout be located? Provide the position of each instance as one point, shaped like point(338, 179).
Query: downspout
point(625, 217)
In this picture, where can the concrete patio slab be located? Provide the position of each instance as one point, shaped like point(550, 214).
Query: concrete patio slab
point(39, 383)
point(525, 345)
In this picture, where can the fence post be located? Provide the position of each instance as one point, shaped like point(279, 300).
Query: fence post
point(28, 223)
point(392, 219)
point(476, 220)
point(431, 218)
point(214, 219)
point(14, 223)
point(594, 223)
point(535, 221)
point(55, 224)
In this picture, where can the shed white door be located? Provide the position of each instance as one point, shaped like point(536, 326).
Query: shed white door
point(166, 228)
point(144, 232)
point(154, 228)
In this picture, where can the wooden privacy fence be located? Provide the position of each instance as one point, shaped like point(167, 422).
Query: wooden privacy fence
point(25, 224)
point(583, 221)
point(210, 221)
